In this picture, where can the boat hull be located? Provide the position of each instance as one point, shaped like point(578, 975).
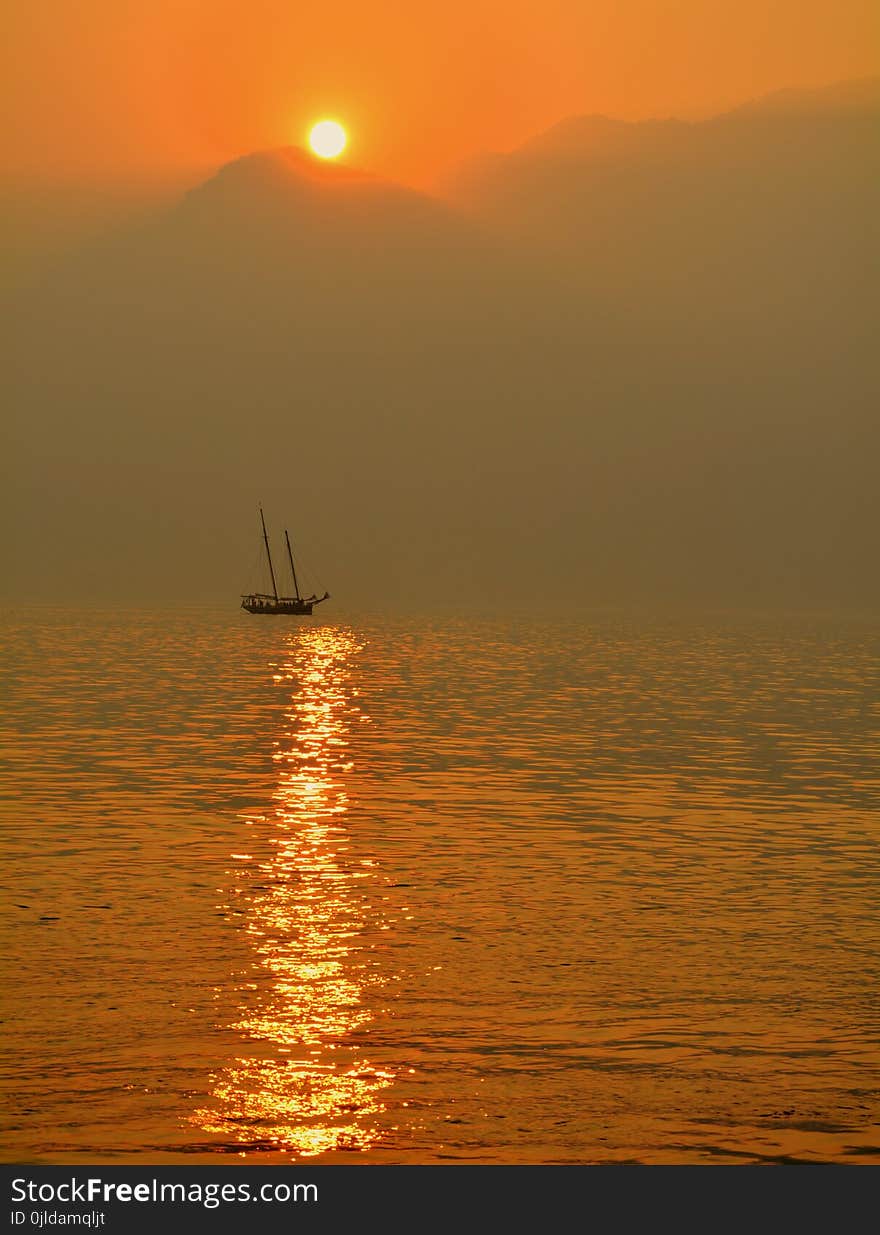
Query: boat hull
point(277, 608)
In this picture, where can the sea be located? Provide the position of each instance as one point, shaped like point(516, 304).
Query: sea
point(375, 889)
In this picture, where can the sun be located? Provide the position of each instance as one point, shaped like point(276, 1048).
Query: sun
point(328, 139)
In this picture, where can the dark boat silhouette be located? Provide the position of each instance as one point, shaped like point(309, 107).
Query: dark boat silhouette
point(289, 606)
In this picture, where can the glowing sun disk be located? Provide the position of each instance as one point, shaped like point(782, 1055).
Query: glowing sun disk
point(328, 139)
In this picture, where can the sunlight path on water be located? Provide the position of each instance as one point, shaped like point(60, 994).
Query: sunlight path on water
point(300, 1085)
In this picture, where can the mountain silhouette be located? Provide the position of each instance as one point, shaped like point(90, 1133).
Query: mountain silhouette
point(773, 201)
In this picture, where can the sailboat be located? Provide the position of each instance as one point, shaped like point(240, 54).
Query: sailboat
point(291, 606)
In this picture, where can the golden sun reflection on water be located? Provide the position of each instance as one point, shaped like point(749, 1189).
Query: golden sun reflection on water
point(301, 1084)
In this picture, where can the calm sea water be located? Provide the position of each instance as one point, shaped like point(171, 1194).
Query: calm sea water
point(421, 891)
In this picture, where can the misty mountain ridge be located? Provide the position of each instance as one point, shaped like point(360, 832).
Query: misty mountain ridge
point(288, 187)
point(859, 95)
point(770, 208)
point(637, 356)
point(597, 135)
point(284, 197)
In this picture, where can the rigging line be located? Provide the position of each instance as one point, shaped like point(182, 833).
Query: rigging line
point(307, 573)
point(312, 585)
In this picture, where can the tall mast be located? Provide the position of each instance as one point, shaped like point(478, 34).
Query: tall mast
point(268, 554)
point(292, 567)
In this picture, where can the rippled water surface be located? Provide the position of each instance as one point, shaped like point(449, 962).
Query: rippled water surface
point(427, 891)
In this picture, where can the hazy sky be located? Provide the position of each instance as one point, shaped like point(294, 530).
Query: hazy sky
point(598, 379)
point(106, 91)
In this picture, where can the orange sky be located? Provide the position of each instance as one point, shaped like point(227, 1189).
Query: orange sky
point(109, 91)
